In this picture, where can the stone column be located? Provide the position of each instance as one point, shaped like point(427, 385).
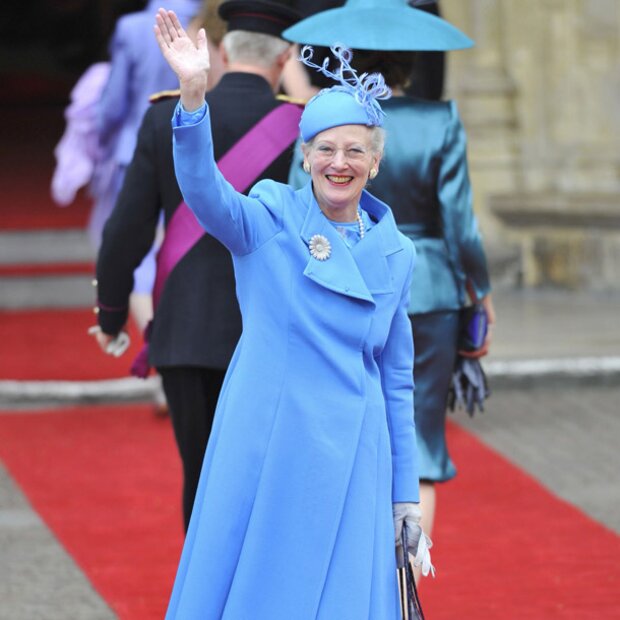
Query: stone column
point(479, 80)
point(539, 97)
point(564, 56)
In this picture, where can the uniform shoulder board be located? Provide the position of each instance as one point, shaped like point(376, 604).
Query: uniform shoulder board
point(162, 95)
point(287, 99)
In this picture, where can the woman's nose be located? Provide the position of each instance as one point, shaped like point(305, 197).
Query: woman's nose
point(340, 159)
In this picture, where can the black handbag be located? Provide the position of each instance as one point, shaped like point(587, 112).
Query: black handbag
point(410, 607)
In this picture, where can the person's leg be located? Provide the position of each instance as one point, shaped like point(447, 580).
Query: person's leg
point(435, 337)
point(428, 498)
point(192, 395)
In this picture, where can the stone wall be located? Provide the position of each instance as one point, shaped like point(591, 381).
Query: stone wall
point(540, 99)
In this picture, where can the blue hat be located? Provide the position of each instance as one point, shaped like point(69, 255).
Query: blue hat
point(387, 25)
point(353, 101)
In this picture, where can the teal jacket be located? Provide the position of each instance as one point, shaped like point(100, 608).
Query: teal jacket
point(424, 178)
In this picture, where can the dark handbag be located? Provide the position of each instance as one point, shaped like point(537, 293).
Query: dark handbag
point(473, 327)
point(410, 607)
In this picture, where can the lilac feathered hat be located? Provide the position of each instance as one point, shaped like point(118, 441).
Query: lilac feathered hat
point(354, 100)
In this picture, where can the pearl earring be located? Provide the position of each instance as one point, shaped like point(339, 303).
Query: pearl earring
point(373, 173)
point(306, 167)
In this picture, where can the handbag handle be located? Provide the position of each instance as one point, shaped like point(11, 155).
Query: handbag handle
point(411, 608)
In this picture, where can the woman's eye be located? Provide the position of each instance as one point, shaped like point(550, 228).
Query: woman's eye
point(356, 152)
point(325, 149)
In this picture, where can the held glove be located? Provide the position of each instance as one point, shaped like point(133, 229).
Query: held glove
point(117, 346)
point(407, 515)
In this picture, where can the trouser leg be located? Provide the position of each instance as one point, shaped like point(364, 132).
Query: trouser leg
point(192, 395)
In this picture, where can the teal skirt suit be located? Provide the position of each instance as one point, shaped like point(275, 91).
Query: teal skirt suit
point(424, 178)
point(313, 437)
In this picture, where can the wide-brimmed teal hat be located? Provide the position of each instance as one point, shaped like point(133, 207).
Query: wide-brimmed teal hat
point(387, 25)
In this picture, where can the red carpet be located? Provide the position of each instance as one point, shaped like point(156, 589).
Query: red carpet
point(54, 345)
point(507, 549)
point(106, 480)
point(46, 269)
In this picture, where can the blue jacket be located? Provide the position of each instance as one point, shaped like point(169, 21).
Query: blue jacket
point(314, 432)
point(138, 70)
point(424, 178)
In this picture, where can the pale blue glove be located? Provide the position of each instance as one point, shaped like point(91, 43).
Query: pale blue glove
point(407, 515)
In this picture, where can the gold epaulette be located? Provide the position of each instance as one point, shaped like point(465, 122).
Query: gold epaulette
point(287, 99)
point(164, 94)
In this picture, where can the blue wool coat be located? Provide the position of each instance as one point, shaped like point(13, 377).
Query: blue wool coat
point(314, 435)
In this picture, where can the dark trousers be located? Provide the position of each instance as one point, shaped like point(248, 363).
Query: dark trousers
point(192, 395)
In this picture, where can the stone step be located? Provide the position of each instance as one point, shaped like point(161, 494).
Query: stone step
point(49, 291)
point(45, 246)
point(46, 269)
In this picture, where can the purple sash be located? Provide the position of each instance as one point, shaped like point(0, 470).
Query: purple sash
point(241, 165)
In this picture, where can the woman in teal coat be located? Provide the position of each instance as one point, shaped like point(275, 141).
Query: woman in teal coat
point(425, 180)
point(310, 471)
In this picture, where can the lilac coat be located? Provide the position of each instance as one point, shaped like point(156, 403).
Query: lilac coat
point(138, 70)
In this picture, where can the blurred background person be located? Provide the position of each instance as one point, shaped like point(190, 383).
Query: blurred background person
point(136, 72)
point(425, 81)
point(197, 322)
point(424, 178)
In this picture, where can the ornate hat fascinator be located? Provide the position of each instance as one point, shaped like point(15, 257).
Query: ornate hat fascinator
point(352, 101)
point(388, 25)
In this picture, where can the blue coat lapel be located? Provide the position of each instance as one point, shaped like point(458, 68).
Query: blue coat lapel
point(360, 271)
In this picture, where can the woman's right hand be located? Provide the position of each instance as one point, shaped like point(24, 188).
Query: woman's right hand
point(189, 60)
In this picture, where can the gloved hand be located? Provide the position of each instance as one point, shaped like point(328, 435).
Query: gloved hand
point(112, 345)
point(407, 515)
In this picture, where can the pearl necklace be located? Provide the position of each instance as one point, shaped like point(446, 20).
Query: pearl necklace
point(360, 223)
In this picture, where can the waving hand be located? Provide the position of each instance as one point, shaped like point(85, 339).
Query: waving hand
point(189, 60)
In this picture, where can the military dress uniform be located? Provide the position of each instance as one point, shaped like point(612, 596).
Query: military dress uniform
point(197, 321)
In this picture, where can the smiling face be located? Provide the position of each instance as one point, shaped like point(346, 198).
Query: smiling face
point(340, 160)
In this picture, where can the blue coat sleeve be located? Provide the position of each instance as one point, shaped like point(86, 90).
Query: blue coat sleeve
point(396, 365)
point(242, 223)
point(460, 226)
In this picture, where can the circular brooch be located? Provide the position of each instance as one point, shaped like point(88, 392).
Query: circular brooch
point(320, 247)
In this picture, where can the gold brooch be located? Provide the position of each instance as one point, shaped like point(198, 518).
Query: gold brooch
point(320, 247)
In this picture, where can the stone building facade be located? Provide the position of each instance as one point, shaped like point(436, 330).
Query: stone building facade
point(540, 99)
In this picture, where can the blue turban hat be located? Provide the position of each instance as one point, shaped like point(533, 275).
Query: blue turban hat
point(352, 101)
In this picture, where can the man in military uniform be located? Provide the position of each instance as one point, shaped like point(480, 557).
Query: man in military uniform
point(197, 321)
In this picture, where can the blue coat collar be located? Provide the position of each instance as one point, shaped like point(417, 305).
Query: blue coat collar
point(361, 271)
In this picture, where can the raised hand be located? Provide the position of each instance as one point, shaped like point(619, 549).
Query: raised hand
point(189, 60)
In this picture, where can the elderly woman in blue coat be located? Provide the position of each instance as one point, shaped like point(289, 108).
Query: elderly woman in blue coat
point(310, 473)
